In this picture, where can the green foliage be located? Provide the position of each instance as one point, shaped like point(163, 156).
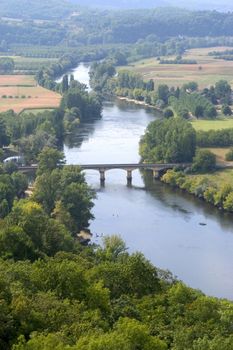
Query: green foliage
point(169, 141)
point(219, 195)
point(178, 60)
point(65, 194)
point(192, 86)
point(41, 235)
point(222, 89)
point(4, 139)
point(203, 161)
point(100, 73)
point(194, 103)
point(226, 110)
point(89, 105)
point(229, 155)
point(48, 160)
point(6, 65)
point(168, 113)
point(99, 298)
point(11, 187)
point(215, 138)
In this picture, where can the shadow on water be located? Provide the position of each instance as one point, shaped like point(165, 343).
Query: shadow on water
point(130, 106)
point(185, 203)
point(84, 132)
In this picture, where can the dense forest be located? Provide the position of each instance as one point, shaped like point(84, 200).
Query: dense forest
point(111, 27)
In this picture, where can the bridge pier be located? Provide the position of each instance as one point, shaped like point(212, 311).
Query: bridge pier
point(102, 177)
point(129, 177)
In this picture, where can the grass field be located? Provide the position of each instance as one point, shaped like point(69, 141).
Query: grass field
point(218, 124)
point(20, 92)
point(206, 72)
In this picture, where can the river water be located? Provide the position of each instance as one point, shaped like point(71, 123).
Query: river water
point(151, 217)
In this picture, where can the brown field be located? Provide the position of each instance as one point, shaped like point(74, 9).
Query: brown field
point(206, 72)
point(17, 80)
point(19, 98)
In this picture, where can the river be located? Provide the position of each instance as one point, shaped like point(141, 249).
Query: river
point(151, 217)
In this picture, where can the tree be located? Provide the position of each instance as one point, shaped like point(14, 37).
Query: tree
point(226, 110)
point(168, 113)
point(163, 93)
point(203, 161)
point(48, 160)
point(222, 89)
point(4, 139)
point(169, 140)
point(229, 155)
point(192, 86)
point(47, 235)
point(6, 64)
point(65, 83)
point(16, 244)
point(77, 198)
point(199, 111)
point(66, 188)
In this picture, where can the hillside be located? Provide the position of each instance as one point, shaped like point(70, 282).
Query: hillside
point(33, 9)
point(224, 5)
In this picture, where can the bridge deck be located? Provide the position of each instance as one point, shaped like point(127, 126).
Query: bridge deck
point(127, 166)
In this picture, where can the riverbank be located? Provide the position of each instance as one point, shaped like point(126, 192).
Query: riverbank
point(140, 103)
point(214, 188)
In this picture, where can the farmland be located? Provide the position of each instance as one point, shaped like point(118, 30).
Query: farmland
point(206, 72)
point(17, 80)
point(19, 92)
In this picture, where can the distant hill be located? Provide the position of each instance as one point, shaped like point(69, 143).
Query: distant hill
point(223, 5)
point(56, 9)
point(36, 9)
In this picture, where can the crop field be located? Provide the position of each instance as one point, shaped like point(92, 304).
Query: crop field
point(17, 80)
point(206, 72)
point(205, 125)
point(21, 92)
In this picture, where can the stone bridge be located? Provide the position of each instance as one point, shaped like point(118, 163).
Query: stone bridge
point(156, 168)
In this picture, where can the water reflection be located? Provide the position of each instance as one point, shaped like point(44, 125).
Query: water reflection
point(84, 132)
point(182, 202)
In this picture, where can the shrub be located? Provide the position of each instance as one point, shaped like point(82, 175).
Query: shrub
point(168, 113)
point(229, 155)
point(228, 202)
point(203, 161)
point(226, 110)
